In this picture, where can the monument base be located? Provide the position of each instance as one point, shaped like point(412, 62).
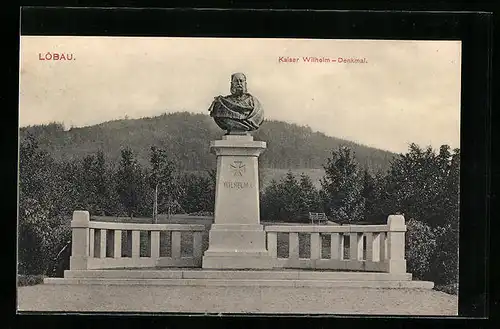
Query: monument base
point(237, 261)
point(237, 246)
point(237, 240)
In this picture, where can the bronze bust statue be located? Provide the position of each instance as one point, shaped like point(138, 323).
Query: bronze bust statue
point(239, 112)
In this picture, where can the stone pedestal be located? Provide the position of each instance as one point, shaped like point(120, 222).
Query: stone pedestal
point(237, 240)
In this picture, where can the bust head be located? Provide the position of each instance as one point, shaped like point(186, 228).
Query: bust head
point(235, 113)
point(238, 84)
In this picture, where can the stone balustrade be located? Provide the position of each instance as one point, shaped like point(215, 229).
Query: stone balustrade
point(371, 248)
point(101, 245)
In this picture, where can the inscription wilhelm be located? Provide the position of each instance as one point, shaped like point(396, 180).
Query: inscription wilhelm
point(237, 185)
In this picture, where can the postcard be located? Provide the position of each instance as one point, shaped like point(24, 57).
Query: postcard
point(239, 175)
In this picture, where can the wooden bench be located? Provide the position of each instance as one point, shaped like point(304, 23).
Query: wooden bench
point(318, 217)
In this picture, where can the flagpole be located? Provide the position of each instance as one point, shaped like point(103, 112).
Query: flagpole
point(155, 207)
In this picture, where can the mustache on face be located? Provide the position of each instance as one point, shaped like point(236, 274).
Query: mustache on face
point(238, 87)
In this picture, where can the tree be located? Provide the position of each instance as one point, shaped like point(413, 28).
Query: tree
point(378, 202)
point(164, 181)
point(452, 190)
point(198, 193)
point(291, 196)
point(212, 173)
point(69, 190)
point(101, 184)
point(271, 202)
point(341, 187)
point(375, 210)
point(96, 185)
point(289, 200)
point(421, 185)
point(309, 196)
point(445, 261)
point(35, 171)
point(39, 209)
point(368, 194)
point(129, 178)
point(281, 201)
point(424, 185)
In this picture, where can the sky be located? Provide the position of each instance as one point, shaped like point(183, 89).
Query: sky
point(406, 92)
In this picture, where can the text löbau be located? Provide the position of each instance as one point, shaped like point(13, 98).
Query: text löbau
point(56, 57)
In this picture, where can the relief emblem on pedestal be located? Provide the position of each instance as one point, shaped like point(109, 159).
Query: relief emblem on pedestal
point(238, 168)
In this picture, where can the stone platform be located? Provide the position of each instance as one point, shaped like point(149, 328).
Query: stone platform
point(240, 278)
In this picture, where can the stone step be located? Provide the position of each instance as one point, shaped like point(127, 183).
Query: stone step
point(291, 283)
point(236, 274)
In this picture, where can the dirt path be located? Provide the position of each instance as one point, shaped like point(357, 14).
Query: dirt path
point(235, 300)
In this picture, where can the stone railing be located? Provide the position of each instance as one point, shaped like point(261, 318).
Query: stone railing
point(371, 248)
point(101, 245)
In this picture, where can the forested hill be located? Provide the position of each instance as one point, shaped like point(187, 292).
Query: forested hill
point(187, 136)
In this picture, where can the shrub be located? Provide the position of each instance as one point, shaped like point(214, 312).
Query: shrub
point(59, 261)
point(39, 244)
point(445, 259)
point(420, 248)
point(451, 289)
point(29, 280)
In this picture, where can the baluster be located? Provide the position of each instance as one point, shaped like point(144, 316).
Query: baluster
point(272, 244)
point(386, 240)
point(91, 243)
point(176, 245)
point(155, 244)
point(136, 241)
point(342, 238)
point(376, 246)
point(355, 246)
point(118, 244)
point(315, 246)
point(293, 245)
point(382, 240)
point(336, 247)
